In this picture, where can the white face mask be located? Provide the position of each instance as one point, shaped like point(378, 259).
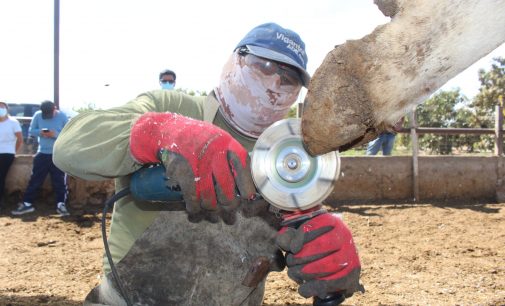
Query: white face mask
point(252, 101)
point(3, 112)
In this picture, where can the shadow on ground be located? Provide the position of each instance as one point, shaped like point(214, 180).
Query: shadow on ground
point(36, 300)
point(83, 218)
point(368, 209)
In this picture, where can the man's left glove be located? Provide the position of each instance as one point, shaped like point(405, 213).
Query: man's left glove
point(321, 257)
point(210, 166)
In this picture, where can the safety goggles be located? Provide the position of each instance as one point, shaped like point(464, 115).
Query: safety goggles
point(289, 75)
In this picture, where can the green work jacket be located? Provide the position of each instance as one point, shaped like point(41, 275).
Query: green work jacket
point(95, 146)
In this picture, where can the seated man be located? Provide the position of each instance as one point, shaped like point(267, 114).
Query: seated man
point(203, 142)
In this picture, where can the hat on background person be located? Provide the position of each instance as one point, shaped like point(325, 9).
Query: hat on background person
point(47, 108)
point(274, 42)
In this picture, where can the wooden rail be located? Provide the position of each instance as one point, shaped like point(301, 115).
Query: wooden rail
point(414, 130)
point(448, 131)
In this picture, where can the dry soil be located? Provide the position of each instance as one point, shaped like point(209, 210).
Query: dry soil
point(423, 254)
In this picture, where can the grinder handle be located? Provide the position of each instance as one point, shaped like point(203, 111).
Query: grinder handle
point(151, 184)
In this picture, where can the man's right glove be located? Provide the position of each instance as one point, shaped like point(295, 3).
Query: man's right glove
point(321, 257)
point(210, 166)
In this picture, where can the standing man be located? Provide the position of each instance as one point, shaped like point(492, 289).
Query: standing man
point(167, 79)
point(385, 141)
point(46, 124)
point(190, 257)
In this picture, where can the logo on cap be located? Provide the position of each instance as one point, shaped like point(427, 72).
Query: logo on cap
point(274, 42)
point(294, 46)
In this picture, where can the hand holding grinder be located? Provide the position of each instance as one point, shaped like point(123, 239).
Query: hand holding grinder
point(321, 255)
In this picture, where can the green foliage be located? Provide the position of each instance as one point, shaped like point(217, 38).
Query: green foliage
point(90, 106)
point(492, 90)
point(191, 92)
point(452, 109)
point(491, 94)
point(356, 151)
point(293, 111)
point(440, 111)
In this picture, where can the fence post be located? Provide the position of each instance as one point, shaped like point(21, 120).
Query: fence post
point(498, 144)
point(299, 110)
point(415, 154)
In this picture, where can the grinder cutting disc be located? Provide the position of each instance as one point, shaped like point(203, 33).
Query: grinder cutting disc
point(285, 174)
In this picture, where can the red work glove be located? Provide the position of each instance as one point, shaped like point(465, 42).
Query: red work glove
point(321, 257)
point(210, 166)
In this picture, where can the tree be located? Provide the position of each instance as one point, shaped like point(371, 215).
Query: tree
point(90, 106)
point(491, 93)
point(452, 109)
point(444, 109)
point(191, 92)
point(492, 88)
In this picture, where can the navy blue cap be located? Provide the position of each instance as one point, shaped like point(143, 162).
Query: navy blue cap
point(274, 42)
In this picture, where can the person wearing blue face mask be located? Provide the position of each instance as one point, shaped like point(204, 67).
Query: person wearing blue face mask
point(10, 142)
point(167, 79)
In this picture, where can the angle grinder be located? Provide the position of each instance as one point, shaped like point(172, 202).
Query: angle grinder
point(285, 175)
point(293, 181)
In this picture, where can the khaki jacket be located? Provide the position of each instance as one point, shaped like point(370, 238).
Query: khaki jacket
point(95, 146)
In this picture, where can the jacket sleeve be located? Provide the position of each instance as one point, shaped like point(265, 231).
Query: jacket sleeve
point(94, 145)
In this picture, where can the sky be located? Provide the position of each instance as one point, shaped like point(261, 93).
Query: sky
point(113, 50)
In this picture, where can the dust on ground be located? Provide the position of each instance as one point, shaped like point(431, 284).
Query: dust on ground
point(423, 254)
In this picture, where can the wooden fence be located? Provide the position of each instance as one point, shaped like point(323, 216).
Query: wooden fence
point(414, 131)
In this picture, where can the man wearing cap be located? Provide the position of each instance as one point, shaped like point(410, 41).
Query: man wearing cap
point(202, 255)
point(46, 124)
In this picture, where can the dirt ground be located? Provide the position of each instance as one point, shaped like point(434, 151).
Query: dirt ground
point(424, 254)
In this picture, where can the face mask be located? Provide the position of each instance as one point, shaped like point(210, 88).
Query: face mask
point(168, 86)
point(251, 101)
point(3, 112)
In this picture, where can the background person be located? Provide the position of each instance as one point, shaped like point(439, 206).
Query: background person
point(11, 139)
point(167, 79)
point(47, 124)
point(385, 141)
point(203, 143)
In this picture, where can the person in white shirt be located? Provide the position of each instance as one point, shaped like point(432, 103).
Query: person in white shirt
point(11, 140)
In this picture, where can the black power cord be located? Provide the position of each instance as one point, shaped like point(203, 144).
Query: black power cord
point(331, 300)
point(108, 203)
